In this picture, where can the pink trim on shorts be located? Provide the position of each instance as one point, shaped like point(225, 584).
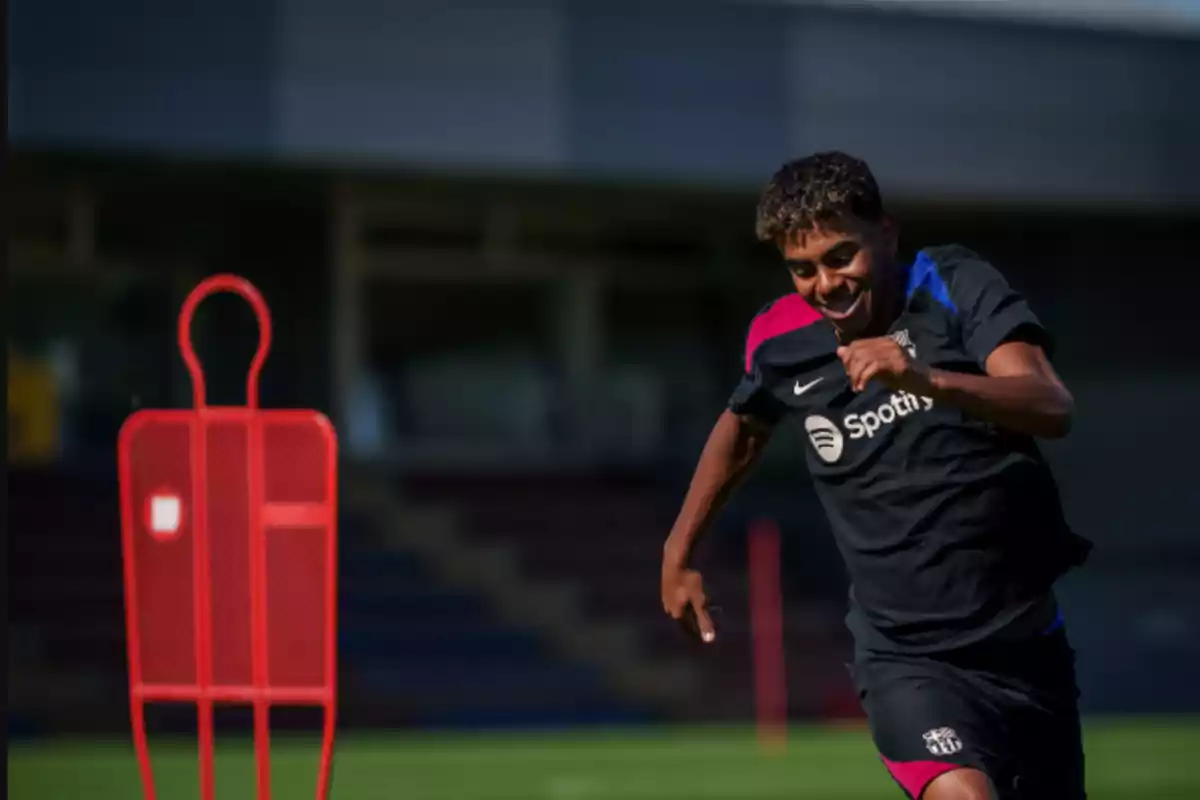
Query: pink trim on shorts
point(785, 315)
point(915, 776)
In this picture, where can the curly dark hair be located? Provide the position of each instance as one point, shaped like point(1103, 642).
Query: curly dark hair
point(821, 190)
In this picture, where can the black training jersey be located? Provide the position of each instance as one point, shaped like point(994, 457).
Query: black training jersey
point(951, 527)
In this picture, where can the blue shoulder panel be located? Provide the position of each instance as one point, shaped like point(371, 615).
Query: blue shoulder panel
point(924, 275)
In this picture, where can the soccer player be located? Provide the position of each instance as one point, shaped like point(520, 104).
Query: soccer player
point(921, 389)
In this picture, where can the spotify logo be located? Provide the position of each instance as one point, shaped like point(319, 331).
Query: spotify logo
point(829, 441)
point(826, 439)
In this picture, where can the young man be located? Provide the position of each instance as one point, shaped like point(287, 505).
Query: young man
point(921, 389)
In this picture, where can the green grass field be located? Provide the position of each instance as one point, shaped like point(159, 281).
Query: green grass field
point(1142, 760)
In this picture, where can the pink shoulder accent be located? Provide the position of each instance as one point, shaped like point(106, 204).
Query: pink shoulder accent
point(785, 315)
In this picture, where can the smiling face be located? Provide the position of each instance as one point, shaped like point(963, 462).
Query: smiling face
point(825, 214)
point(848, 276)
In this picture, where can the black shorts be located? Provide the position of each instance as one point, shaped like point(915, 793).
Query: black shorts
point(1009, 709)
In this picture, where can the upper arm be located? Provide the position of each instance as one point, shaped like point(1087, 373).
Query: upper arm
point(1019, 359)
point(751, 431)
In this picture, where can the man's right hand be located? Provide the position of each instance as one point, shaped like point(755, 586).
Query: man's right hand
point(683, 598)
point(734, 445)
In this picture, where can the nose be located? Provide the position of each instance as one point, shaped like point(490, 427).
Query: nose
point(828, 283)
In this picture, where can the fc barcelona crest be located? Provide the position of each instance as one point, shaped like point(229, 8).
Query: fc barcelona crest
point(942, 741)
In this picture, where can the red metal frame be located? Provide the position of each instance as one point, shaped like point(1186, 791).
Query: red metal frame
point(204, 692)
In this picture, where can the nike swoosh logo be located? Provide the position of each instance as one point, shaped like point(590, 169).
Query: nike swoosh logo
point(799, 390)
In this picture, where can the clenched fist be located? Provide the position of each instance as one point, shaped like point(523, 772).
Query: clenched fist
point(884, 360)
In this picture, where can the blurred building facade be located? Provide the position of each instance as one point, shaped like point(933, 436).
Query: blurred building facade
point(509, 249)
point(708, 91)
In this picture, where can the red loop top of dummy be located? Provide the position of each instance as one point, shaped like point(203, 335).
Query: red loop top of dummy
point(210, 286)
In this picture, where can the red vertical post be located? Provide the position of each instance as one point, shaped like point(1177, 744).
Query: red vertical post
point(766, 616)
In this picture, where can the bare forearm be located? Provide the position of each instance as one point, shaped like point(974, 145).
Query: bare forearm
point(1026, 404)
point(731, 451)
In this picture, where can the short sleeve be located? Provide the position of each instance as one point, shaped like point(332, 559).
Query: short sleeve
point(990, 311)
point(786, 340)
point(755, 397)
